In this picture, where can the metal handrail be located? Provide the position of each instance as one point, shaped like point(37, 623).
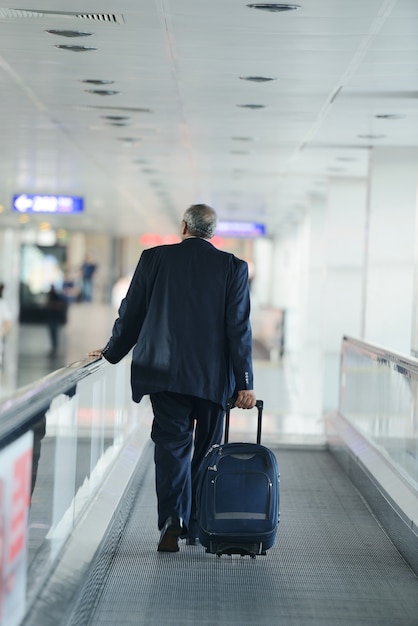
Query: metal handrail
point(383, 355)
point(22, 409)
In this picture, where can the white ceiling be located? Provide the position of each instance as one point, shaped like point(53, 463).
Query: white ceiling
point(178, 68)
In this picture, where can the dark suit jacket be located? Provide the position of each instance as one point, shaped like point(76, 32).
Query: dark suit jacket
point(186, 314)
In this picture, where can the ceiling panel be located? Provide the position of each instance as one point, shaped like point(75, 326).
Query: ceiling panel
point(178, 67)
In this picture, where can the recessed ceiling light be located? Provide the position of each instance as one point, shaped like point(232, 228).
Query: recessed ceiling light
point(75, 48)
point(68, 33)
point(365, 136)
point(251, 106)
point(273, 7)
point(102, 92)
point(118, 124)
point(113, 108)
point(115, 118)
point(257, 79)
point(242, 138)
point(390, 116)
point(239, 152)
point(97, 81)
point(128, 139)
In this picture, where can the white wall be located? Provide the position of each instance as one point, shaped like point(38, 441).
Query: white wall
point(349, 268)
point(390, 291)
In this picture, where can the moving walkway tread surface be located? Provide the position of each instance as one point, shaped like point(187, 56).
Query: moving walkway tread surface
point(332, 563)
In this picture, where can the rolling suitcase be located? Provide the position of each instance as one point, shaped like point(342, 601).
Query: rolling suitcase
point(238, 497)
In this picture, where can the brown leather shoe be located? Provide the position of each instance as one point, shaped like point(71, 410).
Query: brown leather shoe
point(170, 533)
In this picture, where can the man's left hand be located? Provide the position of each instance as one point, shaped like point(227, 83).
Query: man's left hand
point(97, 353)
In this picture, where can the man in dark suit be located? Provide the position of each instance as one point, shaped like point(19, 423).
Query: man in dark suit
point(186, 316)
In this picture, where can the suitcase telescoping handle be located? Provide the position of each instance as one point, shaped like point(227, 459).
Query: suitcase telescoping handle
point(230, 403)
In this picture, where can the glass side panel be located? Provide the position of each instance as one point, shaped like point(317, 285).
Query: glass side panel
point(75, 443)
point(379, 397)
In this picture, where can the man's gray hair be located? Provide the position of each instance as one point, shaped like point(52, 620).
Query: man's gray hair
point(201, 220)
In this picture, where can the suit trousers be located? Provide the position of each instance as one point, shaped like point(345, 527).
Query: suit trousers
point(183, 429)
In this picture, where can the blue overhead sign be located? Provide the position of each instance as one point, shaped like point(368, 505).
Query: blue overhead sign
point(240, 229)
point(31, 203)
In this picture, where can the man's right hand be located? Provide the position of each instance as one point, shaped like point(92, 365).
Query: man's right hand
point(246, 399)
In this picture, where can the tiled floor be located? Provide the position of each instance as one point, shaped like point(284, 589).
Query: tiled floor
point(27, 353)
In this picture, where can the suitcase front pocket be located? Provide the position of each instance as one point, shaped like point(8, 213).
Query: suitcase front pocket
point(241, 496)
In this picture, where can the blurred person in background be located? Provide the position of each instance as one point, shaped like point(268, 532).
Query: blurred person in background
point(56, 315)
point(5, 321)
point(88, 271)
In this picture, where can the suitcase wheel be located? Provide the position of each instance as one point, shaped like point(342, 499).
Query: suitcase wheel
point(232, 548)
point(250, 554)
